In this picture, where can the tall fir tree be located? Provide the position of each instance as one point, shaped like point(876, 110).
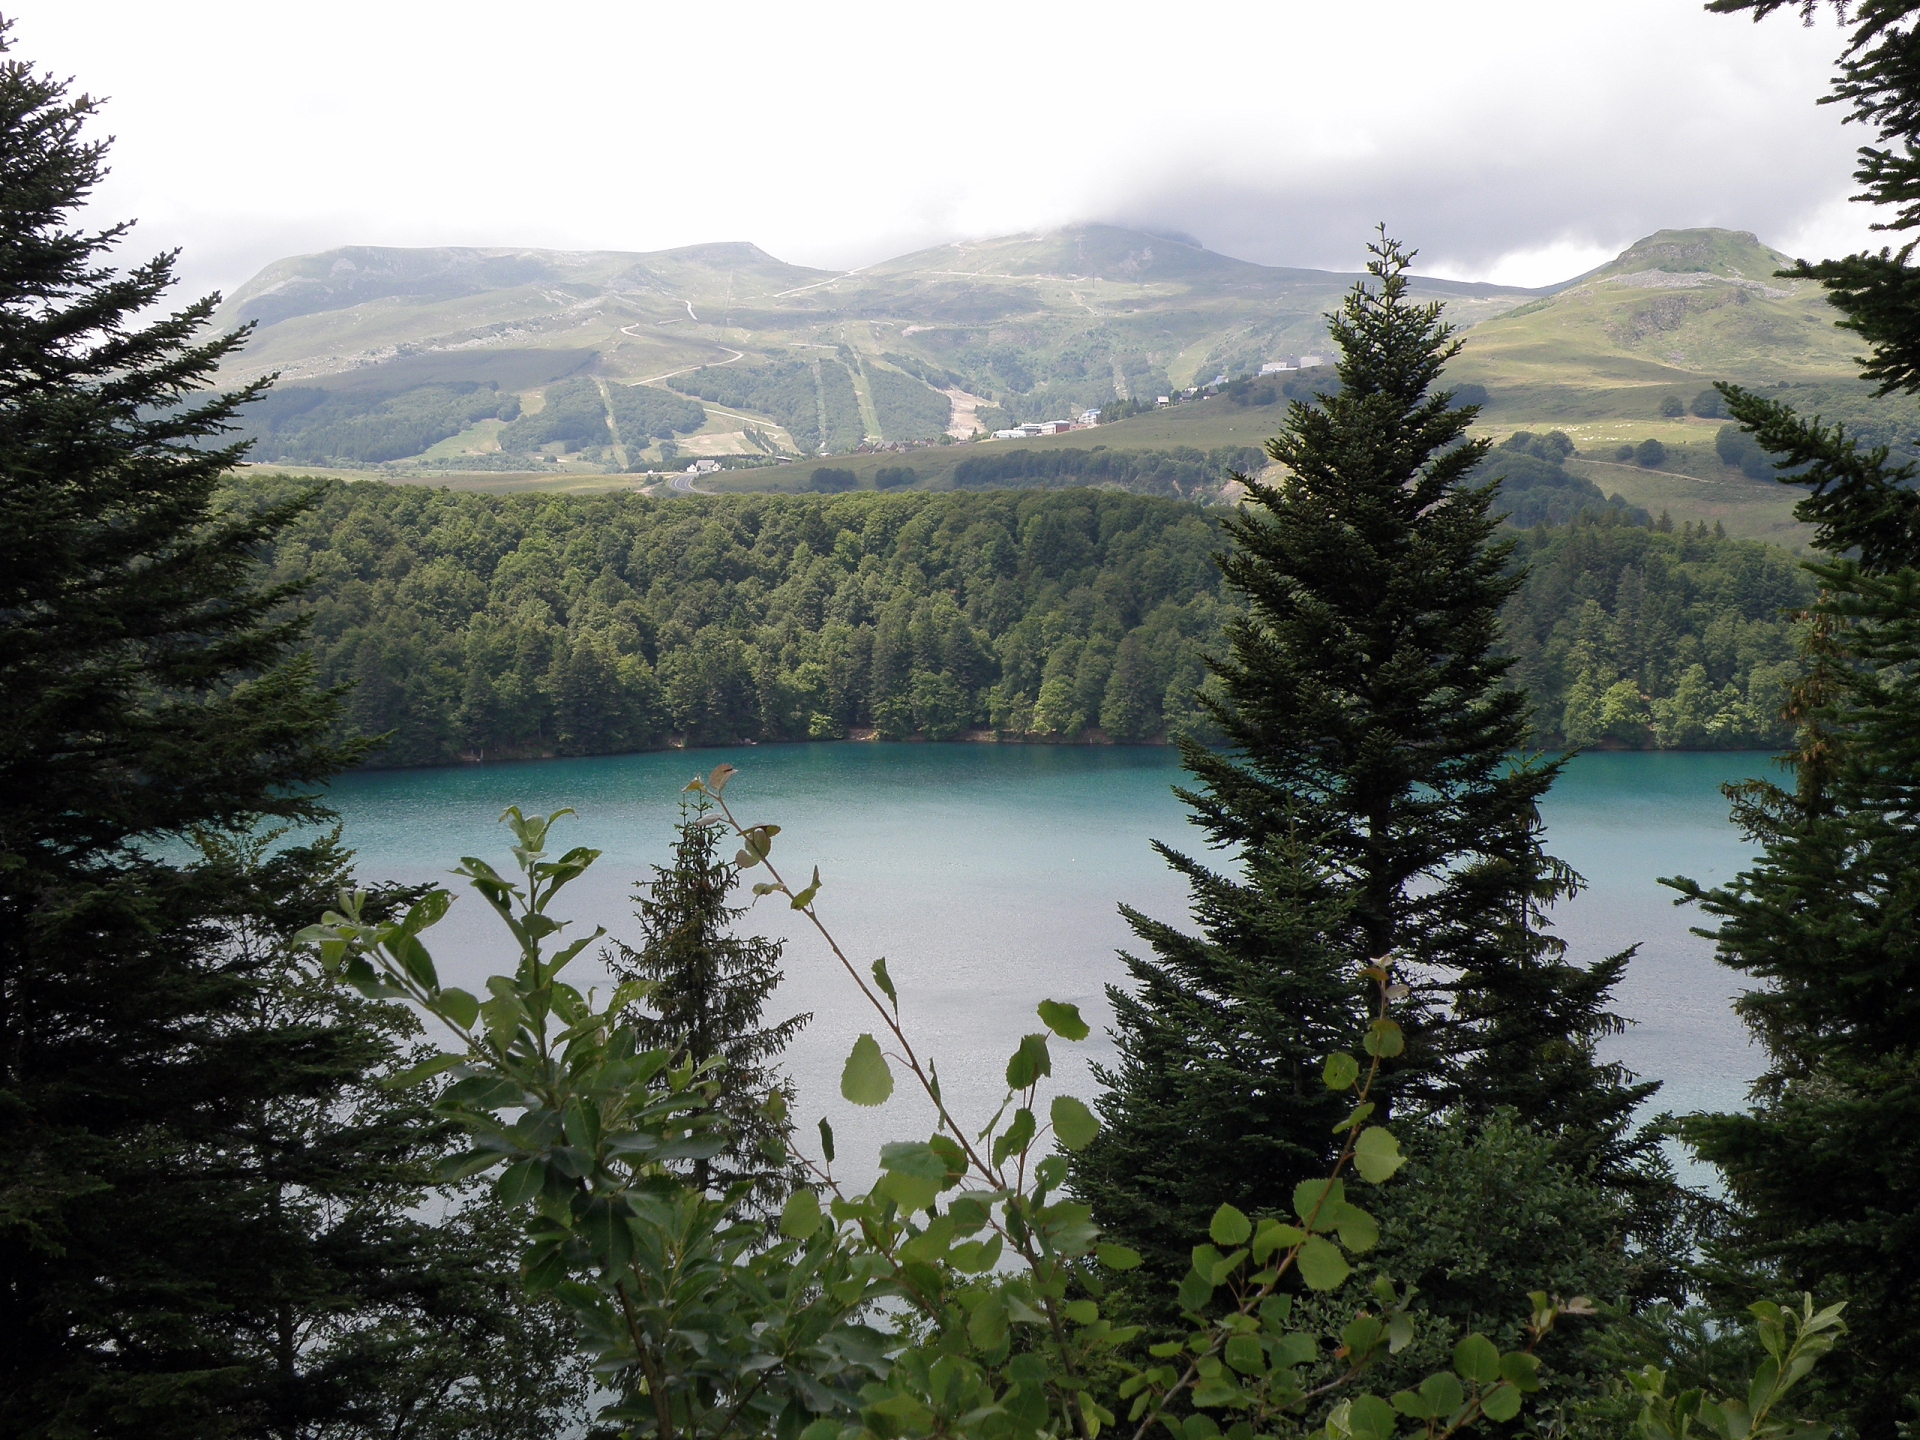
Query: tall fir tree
point(1368, 779)
point(1823, 1168)
point(709, 991)
point(198, 1184)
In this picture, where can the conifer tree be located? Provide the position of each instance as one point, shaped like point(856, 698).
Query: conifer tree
point(206, 1200)
point(1823, 1168)
point(710, 988)
point(147, 690)
point(1367, 778)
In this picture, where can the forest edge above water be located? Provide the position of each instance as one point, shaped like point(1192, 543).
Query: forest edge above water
point(474, 627)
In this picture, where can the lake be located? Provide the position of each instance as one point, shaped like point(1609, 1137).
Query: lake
point(988, 875)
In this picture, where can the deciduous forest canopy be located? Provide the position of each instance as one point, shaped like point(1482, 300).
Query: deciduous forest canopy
point(476, 625)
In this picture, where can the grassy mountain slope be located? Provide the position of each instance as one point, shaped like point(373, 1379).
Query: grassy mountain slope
point(1672, 314)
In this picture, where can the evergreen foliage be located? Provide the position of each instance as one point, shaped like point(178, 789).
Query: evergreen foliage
point(708, 990)
point(145, 691)
point(1367, 781)
point(206, 1201)
point(1822, 1166)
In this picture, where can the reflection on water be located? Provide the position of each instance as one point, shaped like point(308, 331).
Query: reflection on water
point(989, 876)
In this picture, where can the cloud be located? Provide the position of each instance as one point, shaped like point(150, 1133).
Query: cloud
point(1499, 136)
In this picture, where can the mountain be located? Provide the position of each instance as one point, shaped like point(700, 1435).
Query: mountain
point(386, 347)
point(1671, 314)
point(577, 364)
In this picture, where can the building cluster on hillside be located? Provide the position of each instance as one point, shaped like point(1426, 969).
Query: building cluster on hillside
point(1088, 419)
point(1295, 362)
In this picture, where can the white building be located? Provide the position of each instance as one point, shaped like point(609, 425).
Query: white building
point(1275, 367)
point(1010, 434)
point(1089, 417)
point(1308, 362)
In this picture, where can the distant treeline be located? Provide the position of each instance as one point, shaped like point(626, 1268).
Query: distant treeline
point(481, 625)
point(1182, 471)
point(522, 625)
point(1641, 636)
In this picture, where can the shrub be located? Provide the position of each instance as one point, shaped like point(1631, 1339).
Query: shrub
point(888, 477)
point(1707, 405)
point(828, 480)
point(1625, 452)
point(1650, 453)
point(1672, 407)
point(1736, 447)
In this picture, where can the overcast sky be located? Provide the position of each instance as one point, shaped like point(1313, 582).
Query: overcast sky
point(1520, 142)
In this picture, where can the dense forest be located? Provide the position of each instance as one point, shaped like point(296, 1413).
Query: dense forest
point(307, 425)
point(471, 625)
point(907, 409)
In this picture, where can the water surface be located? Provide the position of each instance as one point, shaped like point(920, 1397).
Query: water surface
point(990, 875)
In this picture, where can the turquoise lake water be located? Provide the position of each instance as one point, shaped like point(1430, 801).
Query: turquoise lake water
point(989, 875)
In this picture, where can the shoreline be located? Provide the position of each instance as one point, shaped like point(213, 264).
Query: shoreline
point(867, 735)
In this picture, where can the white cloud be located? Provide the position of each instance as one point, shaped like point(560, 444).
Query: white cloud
point(1500, 136)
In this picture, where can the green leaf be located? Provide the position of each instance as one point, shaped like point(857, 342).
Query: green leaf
point(1341, 1071)
point(1029, 1062)
point(417, 963)
point(884, 980)
point(1501, 1403)
point(1476, 1358)
point(987, 1326)
point(805, 898)
point(1063, 1019)
point(1319, 1200)
point(1322, 1265)
point(1081, 1312)
point(866, 1080)
point(1229, 1227)
point(915, 1158)
point(1376, 1155)
point(1016, 1137)
point(520, 1182)
point(1442, 1393)
point(800, 1216)
point(1117, 1257)
point(826, 1140)
point(1073, 1122)
point(975, 1257)
point(1359, 1231)
point(1385, 1038)
point(1245, 1354)
point(1272, 1236)
point(458, 1006)
point(1195, 1291)
point(1371, 1418)
point(1521, 1370)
